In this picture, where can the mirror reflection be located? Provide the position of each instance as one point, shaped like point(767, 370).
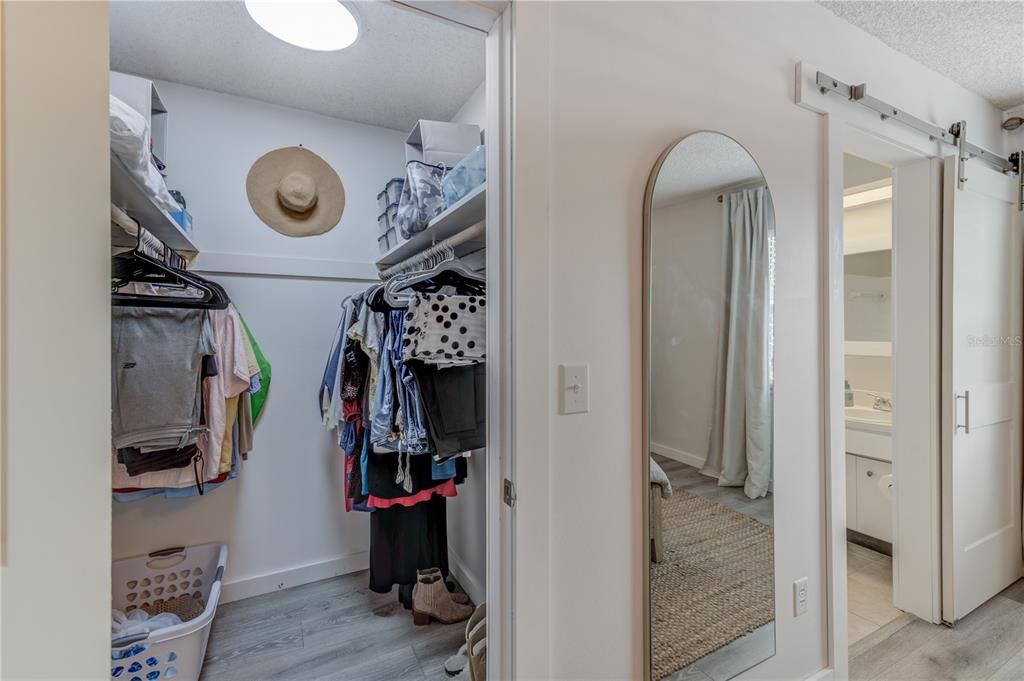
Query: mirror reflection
point(711, 248)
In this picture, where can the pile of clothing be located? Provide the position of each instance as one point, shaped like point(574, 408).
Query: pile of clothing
point(405, 385)
point(188, 385)
point(139, 621)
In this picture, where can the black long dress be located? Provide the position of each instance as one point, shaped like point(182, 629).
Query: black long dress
point(406, 539)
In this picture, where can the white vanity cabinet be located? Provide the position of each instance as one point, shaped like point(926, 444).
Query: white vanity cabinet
point(869, 497)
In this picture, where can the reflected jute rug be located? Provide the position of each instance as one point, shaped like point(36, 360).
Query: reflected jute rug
point(714, 584)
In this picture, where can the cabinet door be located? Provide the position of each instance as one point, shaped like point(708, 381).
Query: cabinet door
point(874, 499)
point(851, 493)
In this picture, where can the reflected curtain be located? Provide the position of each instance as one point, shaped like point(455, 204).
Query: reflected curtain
point(740, 442)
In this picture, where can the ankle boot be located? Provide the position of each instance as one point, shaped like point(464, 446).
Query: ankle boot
point(459, 597)
point(431, 600)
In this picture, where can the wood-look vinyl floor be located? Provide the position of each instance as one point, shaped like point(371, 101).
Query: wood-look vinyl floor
point(332, 630)
point(987, 645)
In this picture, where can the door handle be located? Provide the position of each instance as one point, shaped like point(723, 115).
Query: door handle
point(966, 397)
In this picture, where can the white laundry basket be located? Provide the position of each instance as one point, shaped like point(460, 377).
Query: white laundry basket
point(174, 652)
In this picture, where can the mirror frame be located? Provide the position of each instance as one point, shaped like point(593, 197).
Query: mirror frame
point(645, 477)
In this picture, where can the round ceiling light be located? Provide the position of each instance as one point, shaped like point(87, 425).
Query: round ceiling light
point(323, 25)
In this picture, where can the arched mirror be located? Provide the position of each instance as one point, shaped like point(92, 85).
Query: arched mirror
point(708, 338)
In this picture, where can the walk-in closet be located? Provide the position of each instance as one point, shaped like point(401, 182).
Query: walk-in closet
point(299, 342)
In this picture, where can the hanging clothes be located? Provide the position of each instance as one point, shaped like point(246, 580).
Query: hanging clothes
point(406, 539)
point(404, 384)
point(158, 348)
point(156, 352)
point(259, 381)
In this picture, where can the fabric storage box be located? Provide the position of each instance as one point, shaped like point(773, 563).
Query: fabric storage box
point(470, 173)
point(437, 142)
point(173, 652)
point(390, 194)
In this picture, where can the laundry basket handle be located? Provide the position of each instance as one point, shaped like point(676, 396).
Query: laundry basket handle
point(129, 639)
point(163, 553)
point(165, 559)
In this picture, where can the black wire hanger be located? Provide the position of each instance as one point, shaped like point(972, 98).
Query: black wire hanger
point(153, 262)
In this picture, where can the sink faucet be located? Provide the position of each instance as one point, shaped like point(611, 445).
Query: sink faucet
point(881, 403)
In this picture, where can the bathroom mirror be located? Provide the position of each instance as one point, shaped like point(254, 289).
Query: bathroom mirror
point(709, 230)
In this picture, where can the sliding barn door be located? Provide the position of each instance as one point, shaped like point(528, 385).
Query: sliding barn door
point(981, 424)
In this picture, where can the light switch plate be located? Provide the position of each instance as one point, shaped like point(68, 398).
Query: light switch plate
point(574, 388)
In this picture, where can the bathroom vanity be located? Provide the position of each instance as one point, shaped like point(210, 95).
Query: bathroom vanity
point(869, 472)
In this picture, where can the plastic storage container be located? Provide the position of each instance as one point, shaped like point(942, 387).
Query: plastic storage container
point(388, 219)
point(174, 652)
point(470, 173)
point(184, 220)
point(387, 240)
point(392, 190)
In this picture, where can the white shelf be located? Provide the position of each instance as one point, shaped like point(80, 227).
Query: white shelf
point(869, 348)
point(470, 210)
point(128, 195)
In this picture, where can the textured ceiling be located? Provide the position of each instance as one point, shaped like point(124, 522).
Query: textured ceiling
point(976, 44)
point(403, 67)
point(704, 162)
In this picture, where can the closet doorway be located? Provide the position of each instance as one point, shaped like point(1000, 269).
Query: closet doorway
point(302, 225)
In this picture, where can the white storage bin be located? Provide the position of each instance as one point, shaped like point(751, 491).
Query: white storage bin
point(174, 652)
point(435, 142)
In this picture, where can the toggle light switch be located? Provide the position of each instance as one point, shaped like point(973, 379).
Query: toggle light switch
point(574, 389)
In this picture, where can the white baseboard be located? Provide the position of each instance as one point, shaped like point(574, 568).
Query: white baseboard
point(470, 583)
point(303, 574)
point(678, 455)
point(824, 675)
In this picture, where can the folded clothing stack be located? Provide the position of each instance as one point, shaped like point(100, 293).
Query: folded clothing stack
point(157, 361)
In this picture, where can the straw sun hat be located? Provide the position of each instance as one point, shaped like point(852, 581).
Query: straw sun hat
point(295, 192)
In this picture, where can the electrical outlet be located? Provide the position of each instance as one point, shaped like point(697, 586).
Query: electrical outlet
point(800, 597)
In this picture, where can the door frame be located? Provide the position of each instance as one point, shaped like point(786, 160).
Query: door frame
point(501, 546)
point(500, 520)
point(847, 129)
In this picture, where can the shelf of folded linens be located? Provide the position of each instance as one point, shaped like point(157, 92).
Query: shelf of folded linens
point(128, 195)
point(468, 211)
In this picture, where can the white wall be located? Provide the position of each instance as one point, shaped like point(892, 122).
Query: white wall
point(687, 304)
point(475, 109)
point(56, 581)
point(213, 140)
point(873, 374)
point(601, 90)
point(284, 518)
